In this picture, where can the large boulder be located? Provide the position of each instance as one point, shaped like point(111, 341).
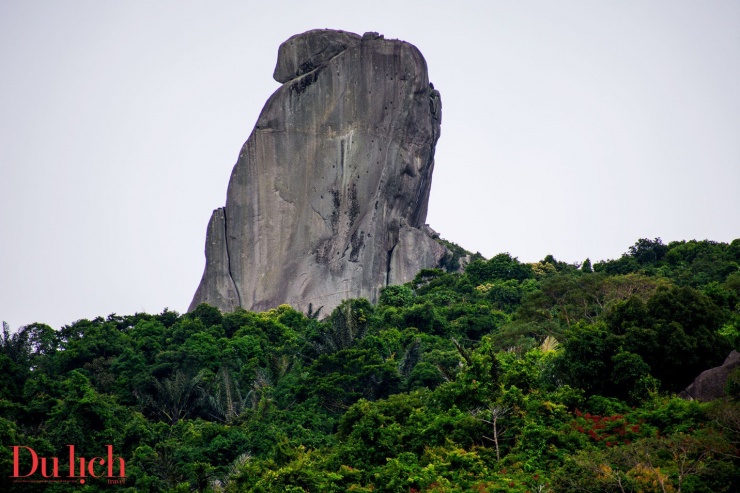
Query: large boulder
point(710, 384)
point(328, 199)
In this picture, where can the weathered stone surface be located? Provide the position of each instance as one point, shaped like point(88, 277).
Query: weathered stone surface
point(218, 286)
point(328, 198)
point(710, 384)
point(412, 252)
point(306, 52)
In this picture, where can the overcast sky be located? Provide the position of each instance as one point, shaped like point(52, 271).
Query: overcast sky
point(570, 128)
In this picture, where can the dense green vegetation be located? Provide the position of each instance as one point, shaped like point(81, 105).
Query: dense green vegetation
point(510, 377)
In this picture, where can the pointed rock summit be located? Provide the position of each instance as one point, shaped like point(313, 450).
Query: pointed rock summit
point(328, 199)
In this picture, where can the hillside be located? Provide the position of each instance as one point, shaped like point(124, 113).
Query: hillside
point(509, 377)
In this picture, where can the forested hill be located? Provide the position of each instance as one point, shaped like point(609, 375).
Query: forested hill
point(509, 377)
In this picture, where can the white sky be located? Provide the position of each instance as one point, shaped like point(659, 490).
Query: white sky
point(570, 128)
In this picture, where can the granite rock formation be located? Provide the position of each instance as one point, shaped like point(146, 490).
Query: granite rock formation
point(710, 384)
point(328, 199)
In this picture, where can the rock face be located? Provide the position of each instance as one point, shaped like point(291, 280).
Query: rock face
point(710, 384)
point(328, 198)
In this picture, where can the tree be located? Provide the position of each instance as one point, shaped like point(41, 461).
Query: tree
point(348, 323)
point(502, 267)
point(678, 336)
point(226, 400)
point(495, 413)
point(398, 296)
point(647, 251)
point(177, 395)
point(586, 360)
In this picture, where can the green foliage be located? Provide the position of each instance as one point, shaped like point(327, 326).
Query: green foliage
point(692, 263)
point(501, 267)
point(506, 377)
point(397, 296)
point(732, 386)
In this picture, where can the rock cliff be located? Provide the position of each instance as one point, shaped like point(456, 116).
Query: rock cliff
point(328, 199)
